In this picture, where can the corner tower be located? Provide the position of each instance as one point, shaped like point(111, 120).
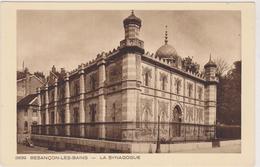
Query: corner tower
point(131, 50)
point(210, 92)
point(132, 43)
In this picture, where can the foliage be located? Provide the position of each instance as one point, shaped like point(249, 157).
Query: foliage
point(189, 65)
point(229, 96)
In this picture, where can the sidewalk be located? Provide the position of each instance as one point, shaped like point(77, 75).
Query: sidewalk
point(21, 149)
point(224, 149)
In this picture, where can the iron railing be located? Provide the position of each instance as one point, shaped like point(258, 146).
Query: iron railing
point(228, 132)
point(130, 131)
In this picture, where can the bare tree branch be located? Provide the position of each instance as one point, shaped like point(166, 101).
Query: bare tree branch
point(222, 66)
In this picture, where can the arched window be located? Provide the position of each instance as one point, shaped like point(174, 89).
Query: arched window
point(114, 112)
point(76, 87)
point(200, 92)
point(147, 75)
point(190, 87)
point(177, 85)
point(93, 82)
point(92, 112)
point(164, 83)
point(25, 126)
point(146, 79)
point(76, 115)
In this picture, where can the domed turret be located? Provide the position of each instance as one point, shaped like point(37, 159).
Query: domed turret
point(132, 25)
point(210, 63)
point(132, 19)
point(168, 52)
point(132, 43)
point(210, 70)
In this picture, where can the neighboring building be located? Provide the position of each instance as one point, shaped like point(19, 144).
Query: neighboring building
point(27, 115)
point(122, 93)
point(27, 104)
point(27, 83)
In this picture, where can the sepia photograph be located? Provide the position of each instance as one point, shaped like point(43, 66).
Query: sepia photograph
point(128, 81)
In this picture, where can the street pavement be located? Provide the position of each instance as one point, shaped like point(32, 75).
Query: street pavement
point(224, 149)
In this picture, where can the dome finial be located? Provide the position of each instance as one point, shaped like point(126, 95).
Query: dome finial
point(166, 35)
point(132, 12)
point(210, 63)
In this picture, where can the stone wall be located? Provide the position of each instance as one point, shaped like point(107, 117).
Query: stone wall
point(178, 90)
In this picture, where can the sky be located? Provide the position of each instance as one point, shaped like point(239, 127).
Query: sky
point(67, 39)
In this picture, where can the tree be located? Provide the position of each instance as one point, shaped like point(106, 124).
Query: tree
point(222, 66)
point(189, 65)
point(229, 96)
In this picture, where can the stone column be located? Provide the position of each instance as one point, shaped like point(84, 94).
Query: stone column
point(101, 97)
point(67, 105)
point(47, 120)
point(55, 104)
point(81, 100)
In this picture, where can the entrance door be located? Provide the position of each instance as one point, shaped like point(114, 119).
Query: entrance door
point(176, 119)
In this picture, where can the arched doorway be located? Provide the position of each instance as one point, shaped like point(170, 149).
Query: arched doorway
point(177, 114)
point(175, 122)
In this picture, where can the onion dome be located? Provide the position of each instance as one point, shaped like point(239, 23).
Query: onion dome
point(132, 19)
point(210, 63)
point(166, 51)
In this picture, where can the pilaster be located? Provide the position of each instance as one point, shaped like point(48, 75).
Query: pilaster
point(55, 104)
point(55, 101)
point(67, 104)
point(101, 97)
point(131, 94)
point(81, 99)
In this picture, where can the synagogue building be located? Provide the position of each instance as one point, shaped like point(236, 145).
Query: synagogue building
point(129, 94)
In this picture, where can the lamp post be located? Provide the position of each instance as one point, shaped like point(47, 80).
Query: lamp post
point(158, 150)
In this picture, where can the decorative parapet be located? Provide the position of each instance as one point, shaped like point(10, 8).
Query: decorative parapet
point(168, 63)
point(132, 42)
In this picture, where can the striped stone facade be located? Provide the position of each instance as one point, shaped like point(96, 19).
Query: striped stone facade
point(129, 85)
